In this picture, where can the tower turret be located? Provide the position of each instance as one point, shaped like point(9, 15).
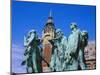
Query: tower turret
point(48, 34)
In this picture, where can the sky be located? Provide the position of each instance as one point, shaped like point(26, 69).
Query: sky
point(34, 15)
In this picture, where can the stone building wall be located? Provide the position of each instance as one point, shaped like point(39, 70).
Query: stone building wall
point(90, 55)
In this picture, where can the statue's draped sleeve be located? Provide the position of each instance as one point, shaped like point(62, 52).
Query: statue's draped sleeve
point(28, 40)
point(73, 41)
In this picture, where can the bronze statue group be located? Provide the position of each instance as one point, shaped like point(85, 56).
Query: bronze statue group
point(67, 52)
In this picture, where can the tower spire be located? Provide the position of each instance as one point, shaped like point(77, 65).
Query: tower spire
point(50, 19)
point(48, 34)
point(50, 13)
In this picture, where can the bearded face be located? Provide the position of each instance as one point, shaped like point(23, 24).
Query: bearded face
point(84, 38)
point(59, 33)
point(85, 34)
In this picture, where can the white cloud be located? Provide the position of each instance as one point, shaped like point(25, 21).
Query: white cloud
point(17, 58)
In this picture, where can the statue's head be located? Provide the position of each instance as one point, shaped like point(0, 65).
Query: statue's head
point(84, 34)
point(59, 33)
point(32, 32)
point(84, 38)
point(73, 25)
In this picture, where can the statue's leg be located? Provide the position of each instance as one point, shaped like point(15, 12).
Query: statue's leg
point(73, 65)
point(57, 64)
point(52, 62)
point(81, 60)
point(62, 62)
point(64, 66)
point(34, 62)
point(39, 63)
point(29, 68)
